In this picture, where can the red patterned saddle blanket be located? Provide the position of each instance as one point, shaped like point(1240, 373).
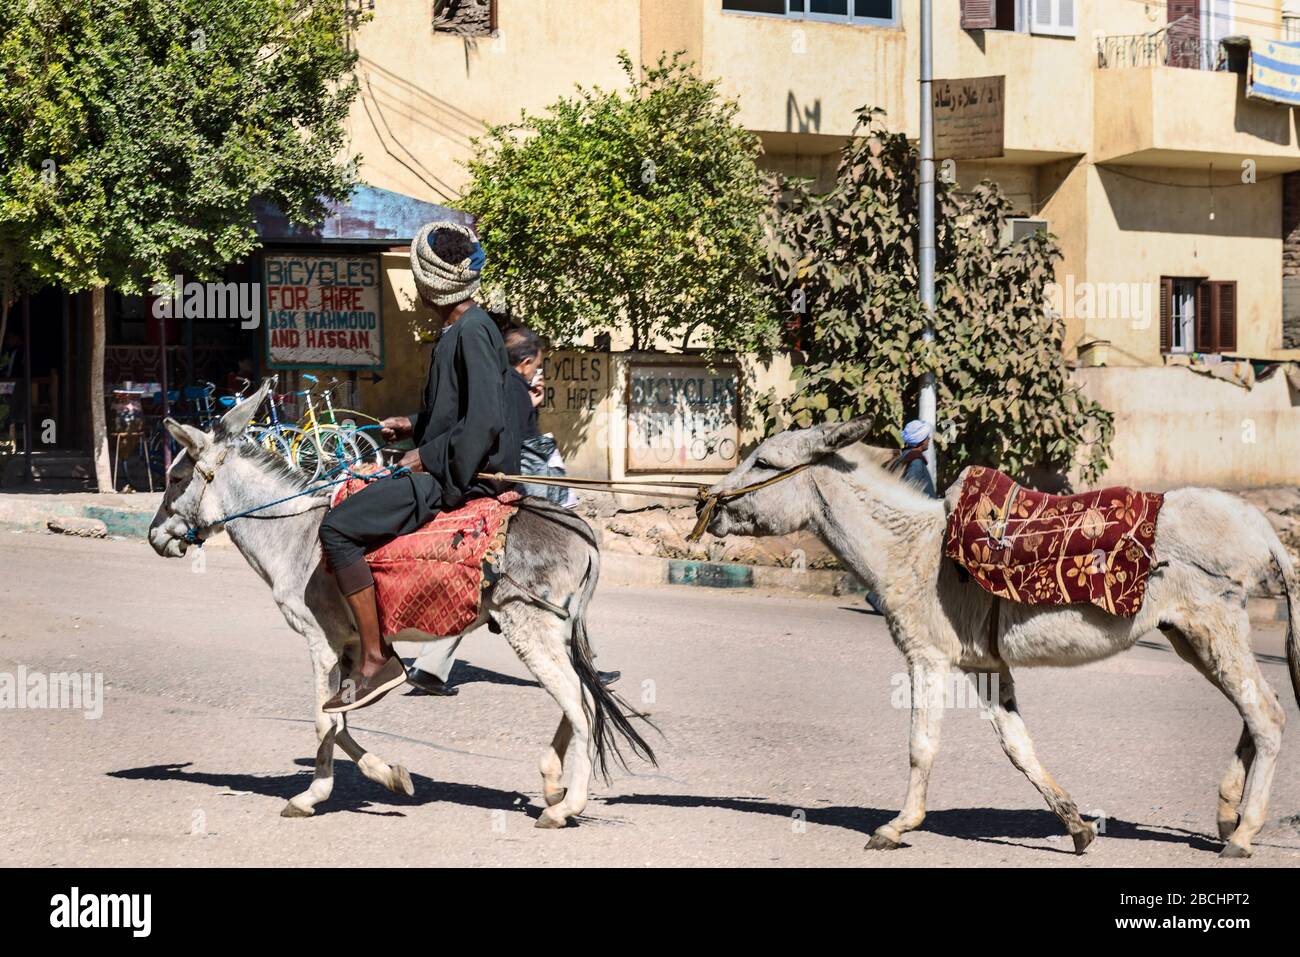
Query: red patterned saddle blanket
point(433, 578)
point(1040, 549)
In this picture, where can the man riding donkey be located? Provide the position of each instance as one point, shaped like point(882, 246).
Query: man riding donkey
point(465, 427)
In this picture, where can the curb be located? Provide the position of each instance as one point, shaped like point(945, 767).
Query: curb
point(32, 513)
point(623, 569)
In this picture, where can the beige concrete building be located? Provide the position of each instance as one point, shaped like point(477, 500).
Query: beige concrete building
point(1123, 135)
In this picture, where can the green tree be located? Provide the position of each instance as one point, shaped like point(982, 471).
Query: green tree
point(627, 209)
point(843, 271)
point(134, 134)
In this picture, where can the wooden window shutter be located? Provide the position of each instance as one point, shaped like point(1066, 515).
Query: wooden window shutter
point(1166, 314)
point(1184, 32)
point(1204, 318)
point(1225, 316)
point(1065, 15)
point(978, 14)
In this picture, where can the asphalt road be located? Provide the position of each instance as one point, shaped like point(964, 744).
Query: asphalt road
point(781, 744)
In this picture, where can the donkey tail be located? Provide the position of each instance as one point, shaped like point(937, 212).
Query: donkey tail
point(608, 713)
point(1291, 588)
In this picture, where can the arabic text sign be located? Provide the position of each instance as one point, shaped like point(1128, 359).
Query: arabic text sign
point(681, 417)
point(970, 117)
point(323, 311)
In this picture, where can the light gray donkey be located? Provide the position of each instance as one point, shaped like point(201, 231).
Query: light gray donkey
point(547, 575)
point(1211, 548)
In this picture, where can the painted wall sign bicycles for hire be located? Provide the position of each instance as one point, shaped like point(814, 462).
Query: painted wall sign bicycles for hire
point(682, 416)
point(323, 311)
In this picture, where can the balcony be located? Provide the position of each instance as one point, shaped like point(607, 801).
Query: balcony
point(1170, 100)
point(1169, 46)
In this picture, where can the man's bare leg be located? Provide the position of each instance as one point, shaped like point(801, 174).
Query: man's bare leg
point(378, 670)
point(365, 612)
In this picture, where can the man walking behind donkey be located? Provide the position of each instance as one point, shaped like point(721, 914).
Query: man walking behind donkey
point(465, 427)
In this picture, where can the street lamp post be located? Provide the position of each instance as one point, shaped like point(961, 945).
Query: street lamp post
point(928, 403)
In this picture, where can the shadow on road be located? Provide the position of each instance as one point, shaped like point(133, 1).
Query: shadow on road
point(988, 825)
point(352, 790)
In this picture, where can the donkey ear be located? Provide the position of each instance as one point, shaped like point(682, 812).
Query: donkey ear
point(234, 422)
point(191, 439)
point(840, 434)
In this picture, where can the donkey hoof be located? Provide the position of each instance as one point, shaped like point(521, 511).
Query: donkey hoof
point(1236, 851)
point(553, 796)
point(400, 783)
point(550, 820)
point(1226, 828)
point(1083, 838)
point(880, 842)
point(297, 810)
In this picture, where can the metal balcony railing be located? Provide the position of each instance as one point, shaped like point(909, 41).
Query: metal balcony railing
point(1171, 45)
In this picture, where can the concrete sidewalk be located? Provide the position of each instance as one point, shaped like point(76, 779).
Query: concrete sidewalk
point(124, 514)
point(128, 516)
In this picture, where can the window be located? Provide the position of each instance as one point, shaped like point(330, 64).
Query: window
point(884, 12)
point(993, 14)
point(1052, 17)
point(1182, 316)
point(1197, 315)
point(1018, 227)
point(1049, 17)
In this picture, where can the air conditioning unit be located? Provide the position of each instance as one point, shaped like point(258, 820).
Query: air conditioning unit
point(1017, 228)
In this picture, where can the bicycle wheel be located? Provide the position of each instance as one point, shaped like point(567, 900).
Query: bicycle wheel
point(324, 451)
point(278, 441)
point(369, 449)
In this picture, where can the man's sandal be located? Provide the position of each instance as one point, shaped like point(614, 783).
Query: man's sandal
point(359, 691)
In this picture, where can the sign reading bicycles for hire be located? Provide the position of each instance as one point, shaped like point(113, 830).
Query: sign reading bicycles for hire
point(681, 417)
point(323, 311)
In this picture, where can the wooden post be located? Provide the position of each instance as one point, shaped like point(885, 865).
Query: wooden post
point(98, 425)
point(27, 387)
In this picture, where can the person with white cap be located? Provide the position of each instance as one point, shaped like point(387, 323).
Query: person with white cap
point(911, 460)
point(464, 428)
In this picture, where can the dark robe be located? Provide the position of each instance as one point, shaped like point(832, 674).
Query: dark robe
point(467, 424)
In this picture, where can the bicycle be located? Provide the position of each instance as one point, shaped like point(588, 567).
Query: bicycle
point(273, 434)
point(320, 448)
point(705, 446)
point(369, 448)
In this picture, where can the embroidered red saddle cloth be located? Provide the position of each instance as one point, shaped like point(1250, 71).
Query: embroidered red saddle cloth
point(1041, 549)
point(433, 578)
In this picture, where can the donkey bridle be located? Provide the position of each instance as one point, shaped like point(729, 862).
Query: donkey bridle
point(711, 501)
point(207, 473)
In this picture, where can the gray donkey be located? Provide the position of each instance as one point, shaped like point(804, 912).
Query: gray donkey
point(546, 577)
point(1211, 548)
